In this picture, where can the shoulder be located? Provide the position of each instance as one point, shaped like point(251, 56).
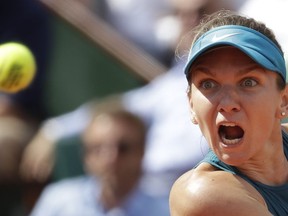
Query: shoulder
point(63, 191)
point(143, 201)
point(73, 183)
point(207, 191)
point(62, 196)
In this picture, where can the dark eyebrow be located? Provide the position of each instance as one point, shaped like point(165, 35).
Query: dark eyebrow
point(251, 68)
point(195, 69)
point(204, 70)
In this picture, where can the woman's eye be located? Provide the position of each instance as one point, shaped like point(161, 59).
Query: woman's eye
point(248, 83)
point(208, 84)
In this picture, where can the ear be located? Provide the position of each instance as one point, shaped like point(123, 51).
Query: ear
point(193, 116)
point(283, 112)
point(194, 119)
point(192, 113)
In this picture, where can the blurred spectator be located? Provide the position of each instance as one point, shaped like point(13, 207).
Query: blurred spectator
point(15, 133)
point(113, 145)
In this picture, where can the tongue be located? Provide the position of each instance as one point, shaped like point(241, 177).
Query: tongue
point(232, 132)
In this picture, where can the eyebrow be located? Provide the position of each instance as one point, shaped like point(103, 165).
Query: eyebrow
point(196, 69)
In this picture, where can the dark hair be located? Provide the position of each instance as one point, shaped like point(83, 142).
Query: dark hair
point(227, 17)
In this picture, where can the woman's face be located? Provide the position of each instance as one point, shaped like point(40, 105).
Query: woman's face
point(237, 105)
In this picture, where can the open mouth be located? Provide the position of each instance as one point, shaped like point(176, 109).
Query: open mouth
point(231, 133)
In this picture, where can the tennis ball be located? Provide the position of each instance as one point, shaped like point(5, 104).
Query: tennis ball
point(17, 67)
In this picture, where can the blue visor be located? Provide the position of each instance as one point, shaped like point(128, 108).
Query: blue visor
point(254, 44)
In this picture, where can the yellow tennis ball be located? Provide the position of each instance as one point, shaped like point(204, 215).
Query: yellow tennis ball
point(17, 67)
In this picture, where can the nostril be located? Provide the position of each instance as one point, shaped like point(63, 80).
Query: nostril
point(228, 106)
point(227, 109)
point(228, 100)
point(236, 109)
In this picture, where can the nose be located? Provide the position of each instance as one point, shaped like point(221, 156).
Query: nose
point(110, 155)
point(228, 100)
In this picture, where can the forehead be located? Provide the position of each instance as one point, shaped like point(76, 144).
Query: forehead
point(110, 125)
point(110, 129)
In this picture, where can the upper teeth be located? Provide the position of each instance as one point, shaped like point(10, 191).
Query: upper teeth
point(229, 124)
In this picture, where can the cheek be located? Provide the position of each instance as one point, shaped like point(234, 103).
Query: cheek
point(202, 107)
point(130, 164)
point(205, 113)
point(132, 161)
point(95, 165)
point(263, 108)
point(263, 115)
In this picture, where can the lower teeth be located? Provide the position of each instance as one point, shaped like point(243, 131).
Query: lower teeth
point(230, 141)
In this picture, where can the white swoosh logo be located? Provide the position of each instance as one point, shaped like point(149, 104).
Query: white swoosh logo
point(215, 38)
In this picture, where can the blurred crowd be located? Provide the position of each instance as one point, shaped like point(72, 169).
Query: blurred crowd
point(117, 162)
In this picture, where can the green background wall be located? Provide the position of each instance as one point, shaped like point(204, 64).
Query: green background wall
point(80, 71)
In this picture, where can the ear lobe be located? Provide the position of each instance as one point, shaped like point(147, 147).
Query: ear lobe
point(284, 103)
point(193, 117)
point(194, 120)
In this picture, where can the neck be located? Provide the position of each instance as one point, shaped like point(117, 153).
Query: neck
point(272, 169)
point(270, 173)
point(113, 194)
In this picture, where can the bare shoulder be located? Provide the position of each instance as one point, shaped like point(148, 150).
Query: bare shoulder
point(206, 191)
